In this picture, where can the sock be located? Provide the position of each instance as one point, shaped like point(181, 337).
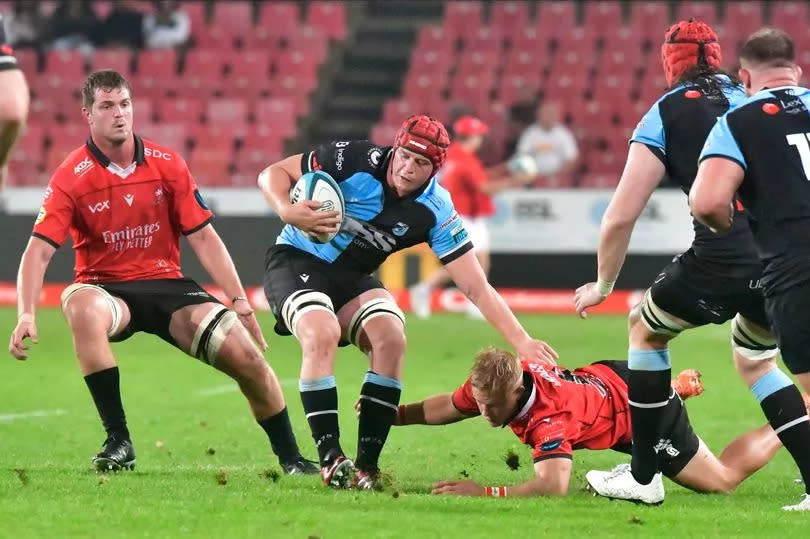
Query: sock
point(282, 439)
point(320, 399)
point(105, 388)
point(648, 390)
point(379, 403)
point(784, 408)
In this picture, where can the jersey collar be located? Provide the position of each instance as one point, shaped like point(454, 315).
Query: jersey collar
point(526, 400)
point(104, 160)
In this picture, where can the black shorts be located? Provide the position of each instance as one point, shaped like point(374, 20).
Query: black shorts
point(152, 302)
point(678, 443)
point(700, 294)
point(788, 312)
point(288, 270)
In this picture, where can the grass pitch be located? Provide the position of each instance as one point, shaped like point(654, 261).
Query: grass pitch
point(205, 470)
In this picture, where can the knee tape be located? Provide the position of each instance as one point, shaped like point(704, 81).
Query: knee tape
point(302, 302)
point(372, 309)
point(659, 321)
point(749, 342)
point(115, 308)
point(211, 333)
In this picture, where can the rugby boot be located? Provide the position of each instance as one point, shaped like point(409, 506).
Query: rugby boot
point(299, 466)
point(339, 473)
point(117, 453)
point(619, 484)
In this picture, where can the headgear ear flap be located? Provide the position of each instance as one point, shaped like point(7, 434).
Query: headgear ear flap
point(687, 44)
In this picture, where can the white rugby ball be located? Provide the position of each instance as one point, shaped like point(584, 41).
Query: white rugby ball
point(321, 187)
point(525, 164)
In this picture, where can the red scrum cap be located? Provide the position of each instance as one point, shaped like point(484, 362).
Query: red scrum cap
point(687, 44)
point(426, 136)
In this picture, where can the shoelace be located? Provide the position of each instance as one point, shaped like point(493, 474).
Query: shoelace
point(618, 470)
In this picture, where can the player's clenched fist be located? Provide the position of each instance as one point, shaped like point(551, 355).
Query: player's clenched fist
point(26, 328)
point(537, 350)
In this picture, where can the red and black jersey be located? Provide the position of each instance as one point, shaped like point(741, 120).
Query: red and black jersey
point(7, 59)
point(125, 222)
point(563, 410)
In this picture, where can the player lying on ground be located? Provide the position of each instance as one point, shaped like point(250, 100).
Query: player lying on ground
point(555, 411)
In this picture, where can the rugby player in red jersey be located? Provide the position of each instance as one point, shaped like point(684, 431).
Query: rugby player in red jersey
point(555, 411)
point(125, 201)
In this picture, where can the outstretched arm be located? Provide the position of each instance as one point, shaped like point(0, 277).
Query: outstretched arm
point(435, 410)
point(468, 275)
point(551, 478)
point(30, 276)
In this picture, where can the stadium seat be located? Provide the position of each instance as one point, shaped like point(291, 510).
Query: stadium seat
point(232, 112)
point(64, 70)
point(508, 17)
point(524, 63)
point(417, 86)
point(276, 113)
point(248, 74)
point(186, 110)
point(527, 40)
point(431, 63)
point(555, 19)
point(169, 135)
point(790, 16)
point(157, 69)
point(513, 86)
point(649, 20)
point(27, 159)
point(621, 52)
point(383, 134)
point(63, 139)
point(473, 89)
point(597, 180)
point(461, 17)
point(702, 11)
point(433, 38)
point(28, 61)
point(477, 63)
point(328, 17)
point(210, 166)
point(485, 40)
point(116, 58)
point(278, 21)
point(745, 17)
point(144, 112)
point(197, 14)
point(603, 17)
point(203, 71)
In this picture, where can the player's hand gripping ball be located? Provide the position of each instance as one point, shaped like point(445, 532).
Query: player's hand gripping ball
point(320, 187)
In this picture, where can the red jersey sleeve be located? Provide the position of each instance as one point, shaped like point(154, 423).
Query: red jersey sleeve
point(56, 214)
point(551, 437)
point(464, 401)
point(189, 207)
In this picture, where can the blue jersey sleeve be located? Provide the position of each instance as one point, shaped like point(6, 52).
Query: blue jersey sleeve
point(447, 238)
point(650, 130)
point(721, 143)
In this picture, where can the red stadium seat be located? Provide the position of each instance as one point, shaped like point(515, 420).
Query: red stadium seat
point(64, 70)
point(423, 86)
point(477, 63)
point(63, 139)
point(744, 17)
point(791, 17)
point(383, 134)
point(197, 14)
point(603, 180)
point(508, 17)
point(236, 14)
point(181, 111)
point(249, 74)
point(28, 61)
point(615, 90)
point(431, 63)
point(512, 87)
point(278, 21)
point(603, 17)
point(555, 19)
point(461, 17)
point(226, 111)
point(433, 38)
point(203, 71)
point(484, 39)
point(524, 63)
point(649, 20)
point(701, 11)
point(328, 17)
point(210, 166)
point(276, 113)
point(528, 40)
point(395, 110)
point(118, 59)
point(309, 42)
point(144, 112)
point(169, 135)
point(157, 69)
point(29, 155)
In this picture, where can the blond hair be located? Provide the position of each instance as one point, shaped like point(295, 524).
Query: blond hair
point(495, 370)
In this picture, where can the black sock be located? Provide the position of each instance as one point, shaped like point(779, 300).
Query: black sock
point(282, 439)
point(105, 388)
point(379, 400)
point(320, 400)
point(785, 410)
point(648, 392)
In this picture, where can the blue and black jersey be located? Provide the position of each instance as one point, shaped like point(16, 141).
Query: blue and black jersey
point(7, 59)
point(674, 129)
point(768, 135)
point(378, 222)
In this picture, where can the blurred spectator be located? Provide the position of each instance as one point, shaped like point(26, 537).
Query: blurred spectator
point(521, 116)
point(73, 25)
point(124, 25)
point(167, 27)
point(550, 143)
point(24, 25)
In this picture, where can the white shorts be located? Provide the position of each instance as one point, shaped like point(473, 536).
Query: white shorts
point(478, 231)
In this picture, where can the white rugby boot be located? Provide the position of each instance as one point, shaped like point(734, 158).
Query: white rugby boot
point(619, 484)
point(803, 505)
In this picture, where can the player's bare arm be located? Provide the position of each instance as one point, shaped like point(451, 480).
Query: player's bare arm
point(435, 410)
point(642, 174)
point(551, 477)
point(217, 262)
point(30, 276)
point(275, 183)
point(13, 111)
point(711, 198)
point(468, 275)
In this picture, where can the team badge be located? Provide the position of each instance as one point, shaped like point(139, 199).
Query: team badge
point(200, 200)
point(400, 229)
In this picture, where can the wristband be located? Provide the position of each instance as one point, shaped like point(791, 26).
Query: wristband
point(498, 492)
point(604, 287)
point(238, 298)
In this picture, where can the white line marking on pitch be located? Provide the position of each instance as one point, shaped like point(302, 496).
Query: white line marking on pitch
point(30, 415)
point(233, 388)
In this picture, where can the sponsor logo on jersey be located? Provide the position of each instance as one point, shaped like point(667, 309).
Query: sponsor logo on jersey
point(551, 446)
point(200, 200)
point(304, 277)
point(41, 215)
point(544, 374)
point(83, 167)
point(459, 233)
point(770, 109)
point(339, 158)
point(129, 198)
point(454, 218)
point(158, 196)
point(374, 156)
point(157, 154)
point(400, 229)
point(666, 446)
point(131, 237)
point(48, 193)
point(99, 206)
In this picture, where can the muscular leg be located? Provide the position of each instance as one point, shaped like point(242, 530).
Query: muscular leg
point(93, 317)
point(375, 324)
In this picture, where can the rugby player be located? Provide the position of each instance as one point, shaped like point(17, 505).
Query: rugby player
point(760, 152)
point(556, 411)
point(325, 295)
point(125, 201)
point(715, 280)
point(13, 102)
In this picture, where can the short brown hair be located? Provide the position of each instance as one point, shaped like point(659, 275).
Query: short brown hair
point(106, 79)
point(495, 369)
point(768, 47)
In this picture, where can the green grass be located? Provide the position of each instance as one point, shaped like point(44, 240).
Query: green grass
point(178, 409)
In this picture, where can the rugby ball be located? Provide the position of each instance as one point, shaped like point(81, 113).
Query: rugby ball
point(524, 164)
point(320, 186)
